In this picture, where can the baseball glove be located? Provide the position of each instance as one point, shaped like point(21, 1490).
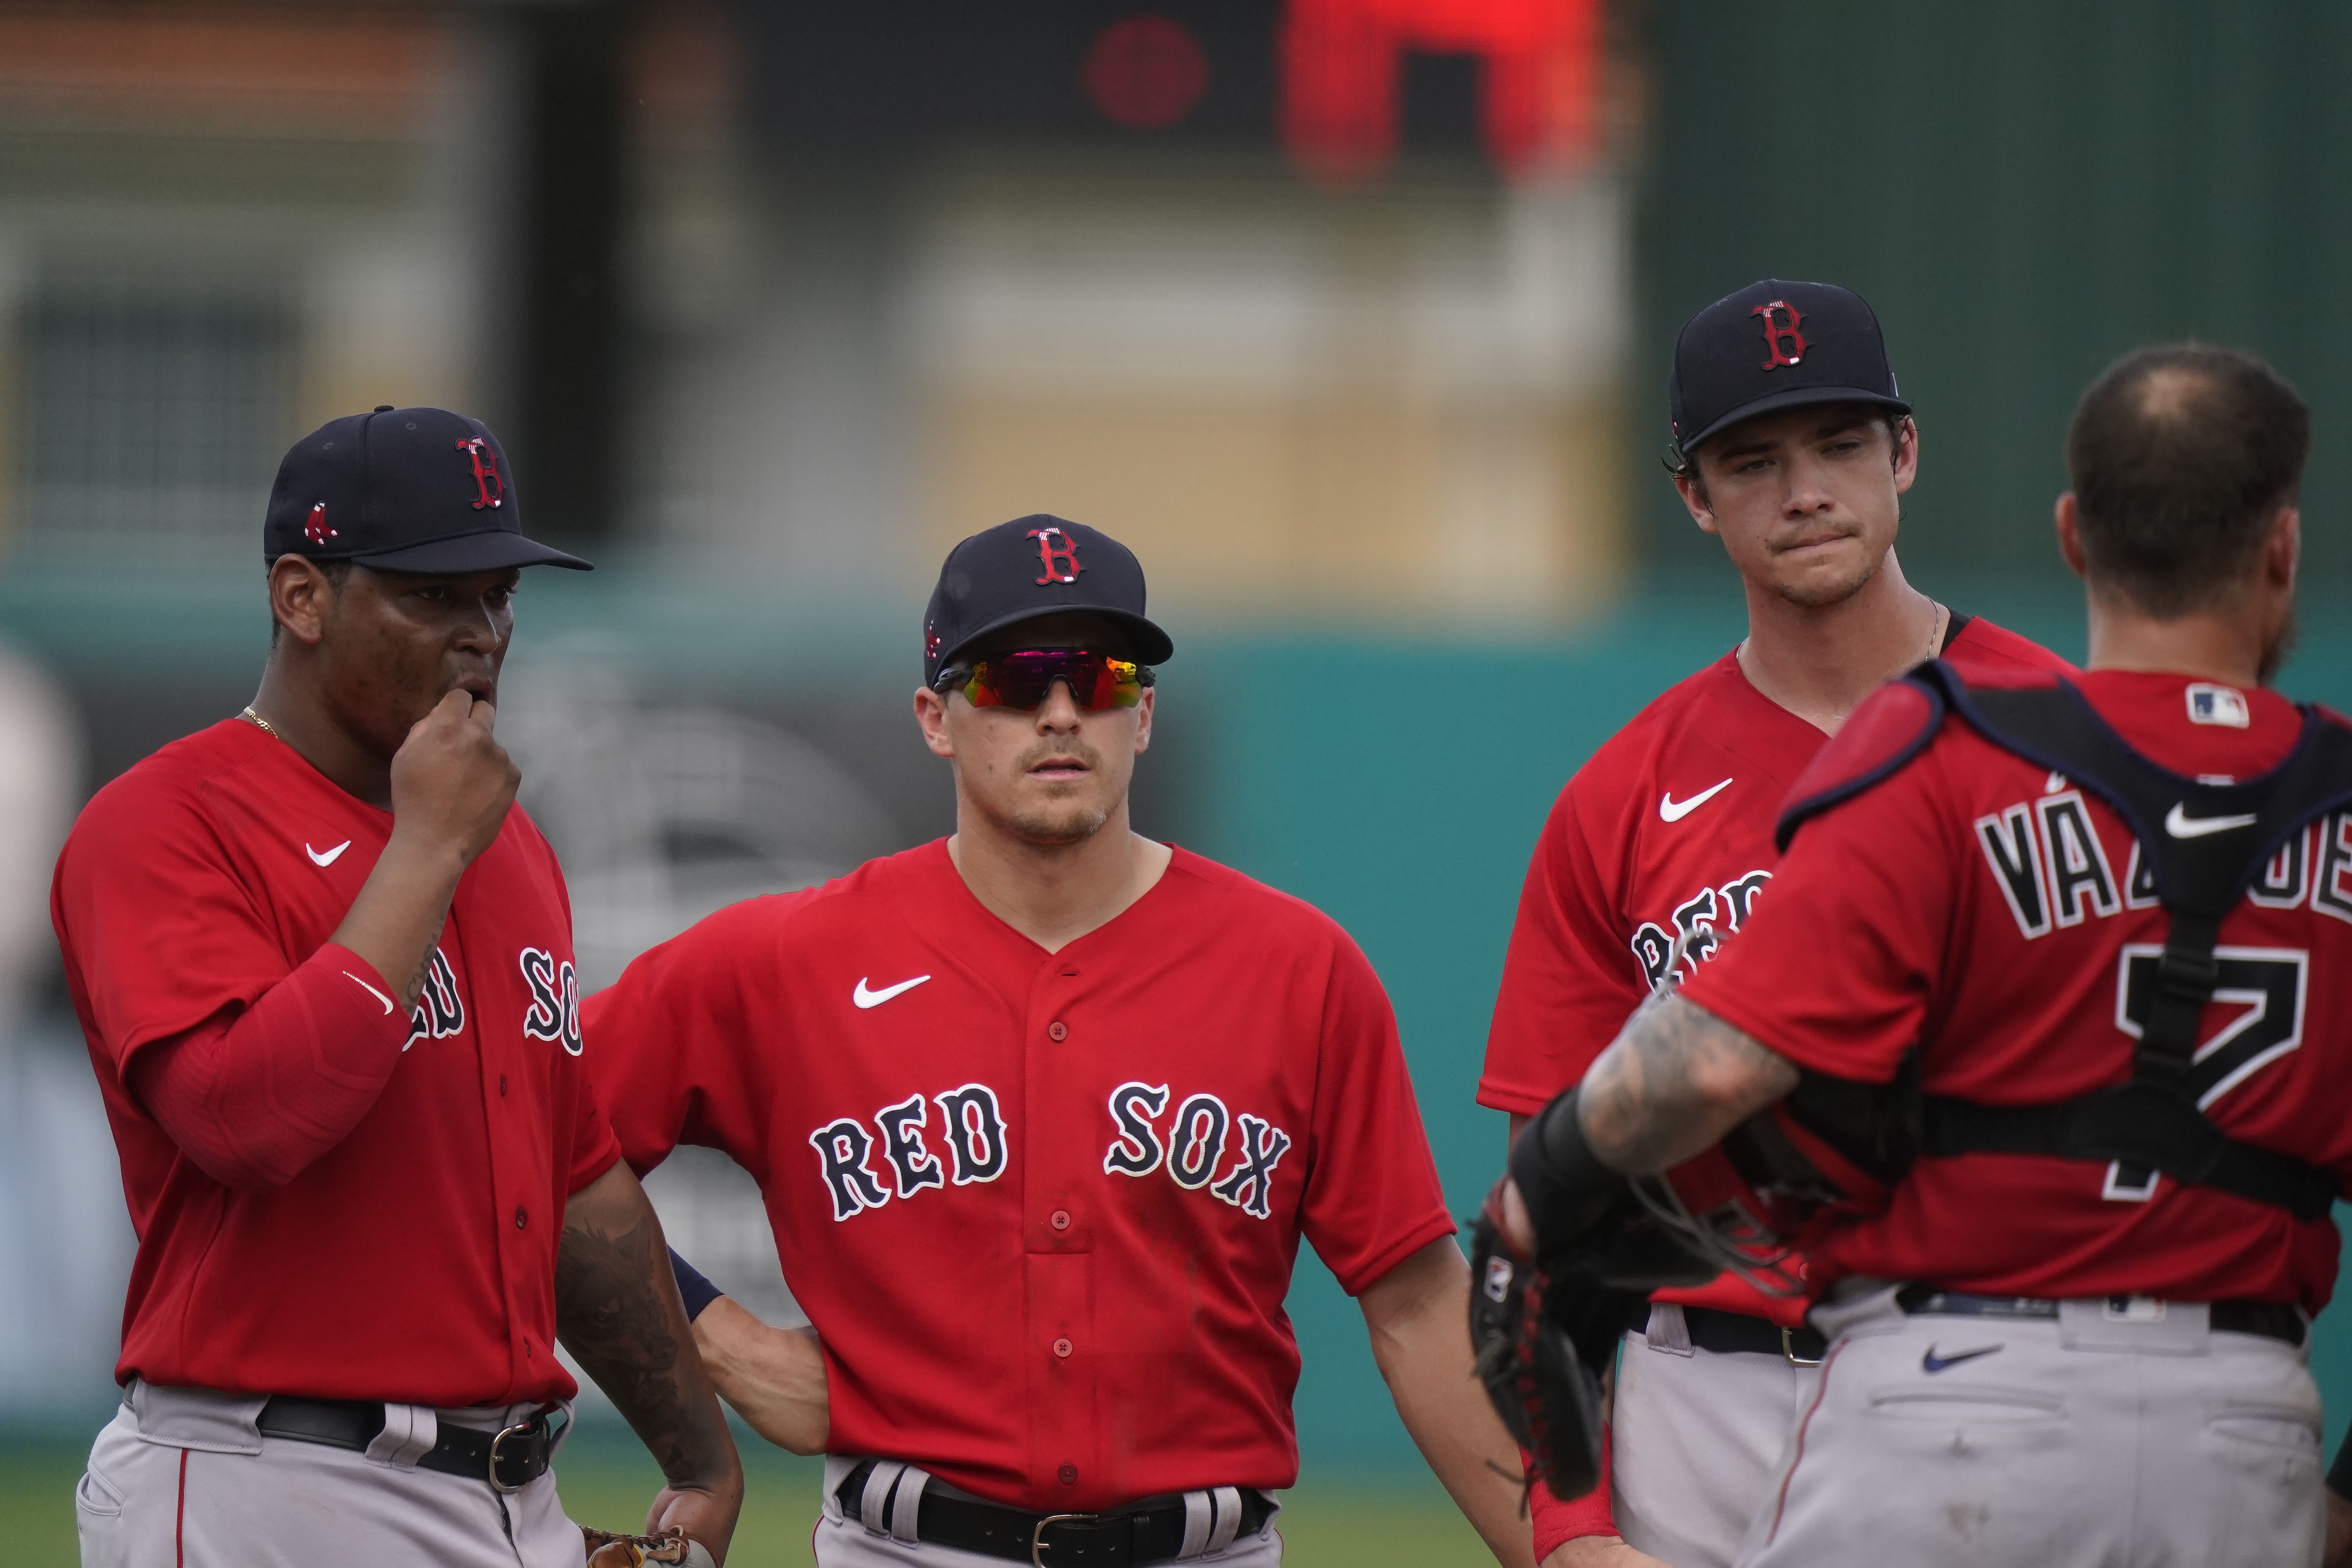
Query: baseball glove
point(1542, 1385)
point(606, 1549)
point(1545, 1328)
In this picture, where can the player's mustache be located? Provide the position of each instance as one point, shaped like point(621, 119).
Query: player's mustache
point(1074, 750)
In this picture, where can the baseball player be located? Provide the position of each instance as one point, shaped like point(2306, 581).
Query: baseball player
point(2093, 935)
point(1041, 1113)
point(1793, 447)
point(324, 968)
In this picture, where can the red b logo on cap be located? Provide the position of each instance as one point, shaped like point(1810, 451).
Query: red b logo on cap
point(1775, 335)
point(1060, 561)
point(488, 487)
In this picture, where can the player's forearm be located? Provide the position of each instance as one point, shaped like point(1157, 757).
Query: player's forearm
point(398, 915)
point(774, 1378)
point(1417, 1317)
point(1676, 1080)
point(617, 1311)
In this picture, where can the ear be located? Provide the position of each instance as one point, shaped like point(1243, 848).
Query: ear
point(1695, 501)
point(931, 714)
point(1143, 719)
point(1907, 454)
point(2283, 551)
point(2069, 521)
point(300, 599)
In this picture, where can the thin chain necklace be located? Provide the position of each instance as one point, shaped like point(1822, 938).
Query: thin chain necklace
point(1934, 649)
point(253, 718)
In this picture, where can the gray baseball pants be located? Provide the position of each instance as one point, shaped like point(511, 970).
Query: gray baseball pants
point(2124, 1434)
point(841, 1541)
point(1696, 1439)
point(181, 1479)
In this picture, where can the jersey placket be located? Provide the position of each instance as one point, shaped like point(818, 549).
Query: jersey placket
point(514, 1216)
point(1057, 1230)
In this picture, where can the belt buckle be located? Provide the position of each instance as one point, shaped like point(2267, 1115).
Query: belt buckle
point(497, 1485)
point(1789, 1351)
point(1038, 1536)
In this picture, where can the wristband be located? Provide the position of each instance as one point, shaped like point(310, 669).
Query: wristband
point(694, 1291)
point(1566, 1187)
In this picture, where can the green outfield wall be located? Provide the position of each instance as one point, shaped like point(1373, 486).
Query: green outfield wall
point(2024, 191)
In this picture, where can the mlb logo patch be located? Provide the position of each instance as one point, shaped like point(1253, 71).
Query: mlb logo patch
point(2210, 704)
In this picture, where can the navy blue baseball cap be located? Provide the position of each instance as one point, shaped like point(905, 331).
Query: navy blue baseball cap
point(1033, 566)
point(406, 490)
point(1773, 346)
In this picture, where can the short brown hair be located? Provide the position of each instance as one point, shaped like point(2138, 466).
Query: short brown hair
point(2180, 455)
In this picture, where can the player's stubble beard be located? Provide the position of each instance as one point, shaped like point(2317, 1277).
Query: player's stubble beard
point(1070, 820)
point(1822, 596)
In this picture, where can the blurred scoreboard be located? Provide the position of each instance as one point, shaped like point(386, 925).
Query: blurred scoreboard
point(1342, 85)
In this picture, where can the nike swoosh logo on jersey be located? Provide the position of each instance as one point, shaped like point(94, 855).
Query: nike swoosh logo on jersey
point(2181, 824)
point(325, 856)
point(865, 998)
point(365, 986)
point(1932, 1364)
point(1672, 810)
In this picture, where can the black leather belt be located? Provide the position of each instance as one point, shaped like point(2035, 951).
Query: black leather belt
point(509, 1461)
point(1721, 1333)
point(1148, 1531)
point(2267, 1319)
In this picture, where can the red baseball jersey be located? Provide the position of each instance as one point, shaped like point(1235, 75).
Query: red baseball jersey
point(1996, 919)
point(416, 1260)
point(1041, 1207)
point(1654, 857)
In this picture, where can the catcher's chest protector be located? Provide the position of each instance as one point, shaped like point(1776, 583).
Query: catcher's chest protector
point(2151, 1123)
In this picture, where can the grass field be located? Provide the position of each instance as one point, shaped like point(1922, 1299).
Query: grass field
point(1330, 1522)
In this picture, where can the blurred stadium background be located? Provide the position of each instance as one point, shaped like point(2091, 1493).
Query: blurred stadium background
point(1350, 315)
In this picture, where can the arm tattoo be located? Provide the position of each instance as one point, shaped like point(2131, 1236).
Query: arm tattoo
point(617, 1313)
point(1678, 1080)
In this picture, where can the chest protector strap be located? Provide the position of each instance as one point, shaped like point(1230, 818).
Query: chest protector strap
point(2202, 845)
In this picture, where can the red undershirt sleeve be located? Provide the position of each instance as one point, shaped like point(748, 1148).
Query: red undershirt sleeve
point(1557, 1523)
point(253, 1103)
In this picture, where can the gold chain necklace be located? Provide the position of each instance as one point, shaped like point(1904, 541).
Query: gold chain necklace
point(253, 718)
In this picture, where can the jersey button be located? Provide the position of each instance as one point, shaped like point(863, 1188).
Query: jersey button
point(1058, 1030)
point(1069, 1474)
point(520, 1216)
point(1061, 1220)
point(502, 1085)
point(1061, 1348)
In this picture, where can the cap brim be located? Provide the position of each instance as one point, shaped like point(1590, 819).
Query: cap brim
point(493, 550)
point(1147, 642)
point(1795, 397)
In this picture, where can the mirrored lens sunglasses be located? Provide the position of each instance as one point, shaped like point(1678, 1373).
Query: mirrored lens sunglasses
point(1026, 679)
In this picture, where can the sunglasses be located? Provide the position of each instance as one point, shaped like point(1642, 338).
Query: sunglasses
point(1027, 679)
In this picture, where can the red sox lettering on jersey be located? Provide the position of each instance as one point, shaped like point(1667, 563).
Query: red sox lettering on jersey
point(1018, 1189)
